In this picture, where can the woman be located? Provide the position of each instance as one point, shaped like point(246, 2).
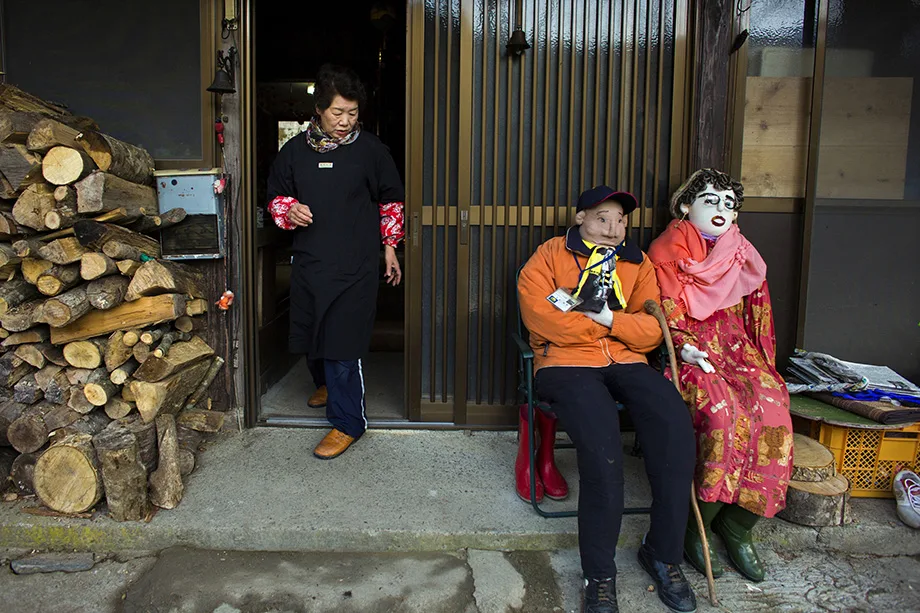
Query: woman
point(337, 188)
point(714, 293)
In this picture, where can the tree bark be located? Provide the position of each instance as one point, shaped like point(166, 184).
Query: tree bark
point(9, 412)
point(65, 309)
point(48, 133)
point(131, 337)
point(23, 317)
point(119, 158)
point(812, 461)
point(27, 391)
point(168, 395)
point(28, 432)
point(67, 476)
point(153, 335)
point(58, 278)
point(12, 369)
point(167, 342)
point(76, 400)
point(95, 265)
point(53, 382)
point(128, 267)
point(101, 191)
point(146, 439)
point(8, 255)
point(182, 356)
point(15, 126)
point(27, 247)
point(172, 217)
point(197, 306)
point(14, 293)
point(63, 250)
point(188, 448)
point(123, 473)
point(33, 353)
point(107, 292)
point(141, 352)
point(166, 487)
point(64, 165)
point(32, 206)
point(200, 420)
point(99, 388)
point(146, 224)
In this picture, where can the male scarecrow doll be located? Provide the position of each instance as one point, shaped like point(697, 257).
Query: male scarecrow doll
point(714, 294)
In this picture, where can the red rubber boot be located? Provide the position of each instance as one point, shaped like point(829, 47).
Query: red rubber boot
point(522, 464)
point(554, 484)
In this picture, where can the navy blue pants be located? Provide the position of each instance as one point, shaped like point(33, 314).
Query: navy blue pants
point(344, 381)
point(583, 399)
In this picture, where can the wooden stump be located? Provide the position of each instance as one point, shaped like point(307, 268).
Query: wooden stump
point(99, 388)
point(169, 394)
point(163, 277)
point(23, 317)
point(48, 133)
point(29, 433)
point(188, 448)
point(64, 165)
point(94, 265)
point(818, 503)
point(58, 279)
point(67, 476)
point(9, 412)
point(14, 293)
point(100, 192)
point(116, 408)
point(85, 354)
point(146, 439)
point(32, 206)
point(66, 308)
point(123, 474)
point(107, 292)
point(166, 487)
point(22, 473)
point(181, 356)
point(119, 158)
point(812, 461)
point(65, 250)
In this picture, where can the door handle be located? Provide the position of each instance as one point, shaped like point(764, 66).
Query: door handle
point(415, 229)
point(464, 227)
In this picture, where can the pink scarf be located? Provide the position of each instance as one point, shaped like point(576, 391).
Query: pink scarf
point(706, 283)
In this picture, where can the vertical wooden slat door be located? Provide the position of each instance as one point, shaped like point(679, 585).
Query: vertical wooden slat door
point(500, 146)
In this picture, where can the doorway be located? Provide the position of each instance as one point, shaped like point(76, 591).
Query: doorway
point(289, 48)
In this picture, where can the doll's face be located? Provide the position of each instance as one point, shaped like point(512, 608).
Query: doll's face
point(712, 211)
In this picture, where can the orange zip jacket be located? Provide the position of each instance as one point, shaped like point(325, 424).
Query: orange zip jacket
point(573, 338)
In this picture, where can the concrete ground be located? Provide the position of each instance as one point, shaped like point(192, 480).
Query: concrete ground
point(181, 580)
point(411, 521)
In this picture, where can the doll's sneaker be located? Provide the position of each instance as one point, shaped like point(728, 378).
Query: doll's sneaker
point(907, 493)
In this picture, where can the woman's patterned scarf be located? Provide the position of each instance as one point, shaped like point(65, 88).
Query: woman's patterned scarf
point(322, 142)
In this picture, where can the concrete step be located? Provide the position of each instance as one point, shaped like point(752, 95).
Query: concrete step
point(394, 490)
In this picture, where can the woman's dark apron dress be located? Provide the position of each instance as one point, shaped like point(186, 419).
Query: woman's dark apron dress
point(336, 265)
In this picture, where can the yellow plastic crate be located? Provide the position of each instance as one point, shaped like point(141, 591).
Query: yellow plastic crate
point(870, 459)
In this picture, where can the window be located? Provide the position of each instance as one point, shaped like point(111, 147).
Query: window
point(139, 69)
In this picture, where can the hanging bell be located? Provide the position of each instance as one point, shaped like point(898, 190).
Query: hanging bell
point(517, 44)
point(222, 83)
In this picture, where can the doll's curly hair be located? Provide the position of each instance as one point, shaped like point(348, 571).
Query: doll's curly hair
point(686, 193)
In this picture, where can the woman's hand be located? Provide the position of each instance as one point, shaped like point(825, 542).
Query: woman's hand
point(692, 355)
point(393, 273)
point(300, 215)
point(604, 318)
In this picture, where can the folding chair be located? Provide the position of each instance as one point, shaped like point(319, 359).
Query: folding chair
point(525, 387)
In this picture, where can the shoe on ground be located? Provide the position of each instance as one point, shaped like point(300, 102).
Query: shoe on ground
point(600, 596)
point(693, 552)
point(906, 488)
point(673, 588)
point(318, 399)
point(333, 445)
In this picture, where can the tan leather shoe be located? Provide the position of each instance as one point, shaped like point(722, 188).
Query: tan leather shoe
point(318, 399)
point(333, 445)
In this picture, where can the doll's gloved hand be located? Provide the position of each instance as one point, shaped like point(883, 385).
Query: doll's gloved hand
point(604, 318)
point(692, 355)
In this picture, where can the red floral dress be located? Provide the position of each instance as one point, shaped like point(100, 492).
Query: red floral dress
point(740, 412)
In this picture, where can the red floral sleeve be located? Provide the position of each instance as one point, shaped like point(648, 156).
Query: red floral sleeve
point(758, 321)
point(391, 223)
point(279, 208)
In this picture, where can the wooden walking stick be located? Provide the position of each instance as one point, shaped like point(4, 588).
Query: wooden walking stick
point(652, 308)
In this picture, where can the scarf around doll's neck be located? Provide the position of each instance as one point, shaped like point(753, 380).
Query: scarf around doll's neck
point(322, 142)
point(705, 282)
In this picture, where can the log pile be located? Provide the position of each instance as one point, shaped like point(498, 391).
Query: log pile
point(103, 374)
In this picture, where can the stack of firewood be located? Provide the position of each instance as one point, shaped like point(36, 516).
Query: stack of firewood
point(103, 375)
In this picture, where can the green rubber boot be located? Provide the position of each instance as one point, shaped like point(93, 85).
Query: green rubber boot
point(734, 525)
point(693, 544)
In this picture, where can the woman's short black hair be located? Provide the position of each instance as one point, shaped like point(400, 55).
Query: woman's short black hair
point(687, 192)
point(335, 80)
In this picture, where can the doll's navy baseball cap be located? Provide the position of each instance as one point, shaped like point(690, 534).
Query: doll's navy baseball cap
point(594, 196)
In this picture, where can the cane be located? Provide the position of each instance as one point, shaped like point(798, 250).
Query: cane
point(652, 308)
